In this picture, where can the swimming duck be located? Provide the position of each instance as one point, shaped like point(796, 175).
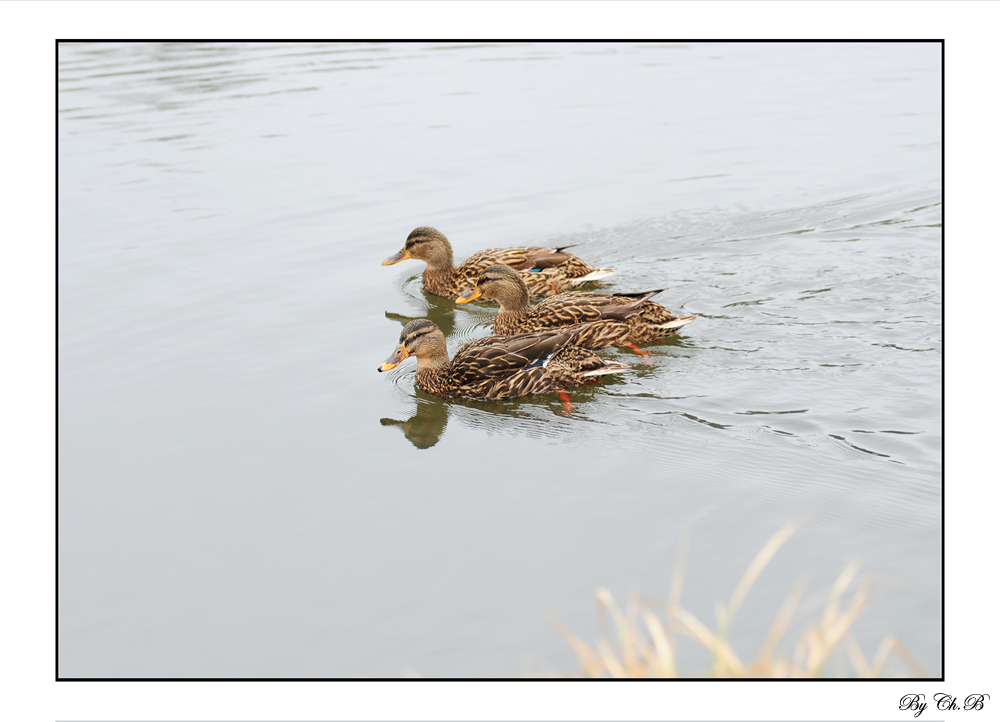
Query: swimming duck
point(496, 367)
point(545, 271)
point(619, 319)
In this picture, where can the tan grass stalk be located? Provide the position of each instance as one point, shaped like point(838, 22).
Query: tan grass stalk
point(857, 656)
point(663, 663)
point(652, 653)
point(760, 561)
point(783, 619)
point(725, 659)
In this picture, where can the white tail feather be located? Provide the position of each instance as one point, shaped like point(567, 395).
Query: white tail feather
point(676, 323)
point(612, 367)
point(592, 276)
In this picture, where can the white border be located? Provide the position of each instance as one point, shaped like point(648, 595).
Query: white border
point(26, 284)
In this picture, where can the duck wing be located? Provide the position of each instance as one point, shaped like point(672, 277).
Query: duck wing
point(523, 258)
point(541, 258)
point(583, 306)
point(496, 356)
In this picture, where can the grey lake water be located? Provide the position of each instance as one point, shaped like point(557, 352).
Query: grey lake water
point(241, 494)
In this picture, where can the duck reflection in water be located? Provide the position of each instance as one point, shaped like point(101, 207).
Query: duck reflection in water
point(443, 316)
point(536, 416)
point(424, 428)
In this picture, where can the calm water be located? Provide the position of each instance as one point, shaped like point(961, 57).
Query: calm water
point(242, 495)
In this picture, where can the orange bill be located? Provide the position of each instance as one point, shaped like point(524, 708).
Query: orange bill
point(401, 256)
point(469, 295)
point(397, 358)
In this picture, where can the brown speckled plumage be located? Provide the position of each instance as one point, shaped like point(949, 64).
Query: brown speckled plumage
point(610, 319)
point(545, 271)
point(496, 367)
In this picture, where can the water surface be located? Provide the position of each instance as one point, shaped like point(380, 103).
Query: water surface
point(242, 495)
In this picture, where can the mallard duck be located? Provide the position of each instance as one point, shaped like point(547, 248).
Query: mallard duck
point(545, 271)
point(620, 319)
point(496, 367)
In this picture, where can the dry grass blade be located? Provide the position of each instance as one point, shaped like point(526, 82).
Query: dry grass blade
point(652, 652)
point(857, 656)
point(626, 639)
point(835, 622)
point(839, 587)
point(663, 662)
point(756, 567)
point(890, 644)
point(588, 658)
point(725, 657)
point(783, 619)
point(611, 665)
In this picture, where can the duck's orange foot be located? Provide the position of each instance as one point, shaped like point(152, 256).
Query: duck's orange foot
point(567, 405)
point(555, 288)
point(644, 354)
